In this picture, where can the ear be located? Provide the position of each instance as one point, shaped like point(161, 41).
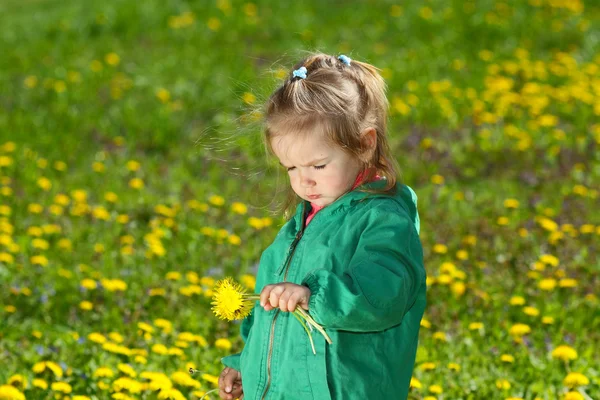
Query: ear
point(368, 138)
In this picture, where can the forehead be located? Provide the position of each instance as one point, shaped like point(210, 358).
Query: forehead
point(301, 149)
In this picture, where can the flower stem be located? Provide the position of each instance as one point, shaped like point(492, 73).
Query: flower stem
point(209, 392)
point(299, 318)
point(312, 322)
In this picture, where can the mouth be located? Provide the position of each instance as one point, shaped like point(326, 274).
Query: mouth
point(314, 196)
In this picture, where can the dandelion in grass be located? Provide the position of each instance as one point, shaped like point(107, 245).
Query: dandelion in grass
point(230, 300)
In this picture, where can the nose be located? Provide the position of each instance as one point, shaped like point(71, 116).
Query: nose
point(306, 180)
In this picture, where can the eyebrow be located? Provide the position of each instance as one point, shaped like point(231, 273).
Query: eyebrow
point(309, 164)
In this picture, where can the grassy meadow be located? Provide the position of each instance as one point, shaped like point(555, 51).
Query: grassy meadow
point(132, 177)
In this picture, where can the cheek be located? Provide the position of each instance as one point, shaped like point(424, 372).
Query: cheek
point(335, 180)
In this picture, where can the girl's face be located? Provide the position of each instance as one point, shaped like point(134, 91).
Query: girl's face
point(318, 171)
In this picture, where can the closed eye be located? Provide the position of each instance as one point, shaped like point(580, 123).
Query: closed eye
point(316, 167)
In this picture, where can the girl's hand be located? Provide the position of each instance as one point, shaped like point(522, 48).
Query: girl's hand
point(285, 296)
point(230, 384)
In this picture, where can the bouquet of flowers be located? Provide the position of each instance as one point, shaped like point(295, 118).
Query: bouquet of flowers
point(231, 302)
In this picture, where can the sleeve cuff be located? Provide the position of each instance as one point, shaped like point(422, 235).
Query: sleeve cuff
point(312, 282)
point(232, 361)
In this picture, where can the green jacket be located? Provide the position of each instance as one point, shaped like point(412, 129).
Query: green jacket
point(362, 259)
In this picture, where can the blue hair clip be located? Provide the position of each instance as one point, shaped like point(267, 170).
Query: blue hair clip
point(346, 60)
point(300, 73)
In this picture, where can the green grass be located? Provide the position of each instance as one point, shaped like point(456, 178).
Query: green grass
point(466, 141)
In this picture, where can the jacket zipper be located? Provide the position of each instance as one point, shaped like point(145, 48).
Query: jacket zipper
point(291, 252)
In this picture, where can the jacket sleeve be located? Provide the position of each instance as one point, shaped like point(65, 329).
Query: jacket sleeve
point(380, 283)
point(233, 360)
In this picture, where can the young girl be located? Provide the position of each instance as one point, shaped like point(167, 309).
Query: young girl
point(350, 255)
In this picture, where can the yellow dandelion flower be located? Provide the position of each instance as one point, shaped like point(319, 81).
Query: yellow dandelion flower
point(547, 284)
point(127, 370)
point(216, 200)
point(97, 166)
point(112, 59)
point(249, 281)
point(256, 223)
point(249, 98)
point(473, 326)
point(40, 383)
point(428, 366)
point(136, 183)
point(440, 248)
point(239, 208)
point(97, 338)
point(462, 255)
point(104, 372)
point(548, 224)
point(549, 260)
point(9, 392)
point(436, 389)
point(39, 260)
point(160, 349)
point(567, 283)
point(173, 276)
point(234, 240)
point(573, 396)
point(61, 387)
point(507, 358)
point(511, 203)
point(502, 384)
point(458, 288)
point(140, 360)
point(223, 343)
point(145, 327)
point(574, 379)
point(230, 300)
point(519, 330)
point(174, 351)
point(207, 281)
point(531, 311)
point(89, 284)
point(157, 292)
point(163, 95)
point(565, 353)
point(211, 378)
point(437, 179)
point(517, 301)
point(547, 320)
point(18, 381)
point(171, 394)
point(454, 367)
point(44, 183)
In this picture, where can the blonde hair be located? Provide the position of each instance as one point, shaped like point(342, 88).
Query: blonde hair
point(341, 100)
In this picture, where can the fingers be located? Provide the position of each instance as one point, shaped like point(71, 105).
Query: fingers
point(293, 300)
point(264, 295)
point(275, 295)
point(285, 296)
point(222, 377)
point(269, 297)
point(236, 392)
point(230, 384)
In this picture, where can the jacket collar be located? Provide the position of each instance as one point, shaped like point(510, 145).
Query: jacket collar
point(346, 200)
